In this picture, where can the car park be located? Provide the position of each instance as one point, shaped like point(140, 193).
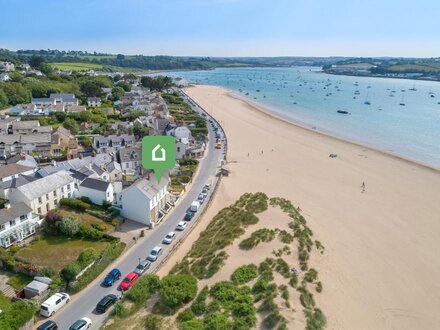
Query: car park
point(155, 253)
point(189, 215)
point(128, 281)
point(81, 324)
point(142, 267)
point(54, 303)
point(169, 238)
point(105, 303)
point(112, 277)
point(181, 226)
point(48, 325)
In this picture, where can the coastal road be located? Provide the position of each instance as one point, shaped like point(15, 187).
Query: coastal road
point(83, 303)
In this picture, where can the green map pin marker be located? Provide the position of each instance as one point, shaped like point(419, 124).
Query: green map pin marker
point(158, 154)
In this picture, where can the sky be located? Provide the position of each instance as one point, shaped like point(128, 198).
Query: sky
point(225, 27)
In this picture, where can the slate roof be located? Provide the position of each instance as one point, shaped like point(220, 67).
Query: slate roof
point(12, 169)
point(45, 185)
point(95, 184)
point(13, 212)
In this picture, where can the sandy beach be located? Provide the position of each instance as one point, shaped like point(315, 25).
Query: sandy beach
point(380, 269)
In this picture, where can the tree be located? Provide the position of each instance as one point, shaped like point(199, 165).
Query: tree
point(16, 76)
point(140, 131)
point(69, 226)
point(15, 92)
point(3, 99)
point(53, 217)
point(156, 83)
point(36, 61)
point(117, 92)
point(46, 68)
point(178, 289)
point(125, 86)
point(70, 271)
point(71, 125)
point(120, 57)
point(87, 256)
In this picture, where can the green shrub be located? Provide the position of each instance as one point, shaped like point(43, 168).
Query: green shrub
point(48, 271)
point(285, 237)
point(75, 204)
point(119, 309)
point(315, 319)
point(85, 199)
point(99, 227)
point(217, 321)
point(143, 289)
point(153, 322)
point(193, 324)
point(199, 305)
point(69, 272)
point(16, 314)
point(244, 274)
point(319, 287)
point(87, 256)
point(272, 319)
point(283, 268)
point(260, 235)
point(110, 253)
point(69, 226)
point(177, 290)
point(185, 315)
point(311, 275)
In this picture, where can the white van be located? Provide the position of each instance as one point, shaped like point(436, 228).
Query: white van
point(195, 206)
point(54, 303)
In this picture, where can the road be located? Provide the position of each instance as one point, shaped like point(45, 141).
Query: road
point(83, 303)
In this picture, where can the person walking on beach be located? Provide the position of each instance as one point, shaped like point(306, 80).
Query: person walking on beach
point(363, 186)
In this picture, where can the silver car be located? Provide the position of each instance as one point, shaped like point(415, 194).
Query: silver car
point(169, 238)
point(142, 267)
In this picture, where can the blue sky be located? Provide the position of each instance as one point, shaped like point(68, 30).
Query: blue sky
point(225, 27)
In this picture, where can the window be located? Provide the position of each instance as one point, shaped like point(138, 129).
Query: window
point(55, 201)
point(108, 194)
point(62, 189)
point(128, 165)
point(23, 217)
point(54, 193)
point(12, 223)
point(76, 185)
point(47, 197)
point(47, 207)
point(39, 210)
point(2, 227)
point(68, 187)
point(68, 195)
point(40, 200)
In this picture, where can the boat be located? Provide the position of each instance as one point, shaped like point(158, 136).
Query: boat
point(367, 99)
point(402, 101)
point(343, 112)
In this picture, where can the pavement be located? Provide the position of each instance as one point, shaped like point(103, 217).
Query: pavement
point(83, 303)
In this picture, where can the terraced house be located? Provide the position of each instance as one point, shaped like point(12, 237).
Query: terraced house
point(16, 223)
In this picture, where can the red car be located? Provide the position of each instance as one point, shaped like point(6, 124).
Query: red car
point(128, 281)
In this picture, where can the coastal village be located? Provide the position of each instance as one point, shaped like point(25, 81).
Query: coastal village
point(78, 160)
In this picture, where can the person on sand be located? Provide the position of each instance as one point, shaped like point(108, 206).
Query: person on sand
point(363, 186)
point(248, 154)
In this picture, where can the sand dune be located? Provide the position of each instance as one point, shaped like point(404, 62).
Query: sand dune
point(381, 269)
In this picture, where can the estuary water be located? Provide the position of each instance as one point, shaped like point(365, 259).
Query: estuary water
point(395, 115)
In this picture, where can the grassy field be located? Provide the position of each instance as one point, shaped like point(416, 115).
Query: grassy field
point(56, 252)
point(5, 302)
point(417, 67)
point(18, 281)
point(76, 66)
point(84, 217)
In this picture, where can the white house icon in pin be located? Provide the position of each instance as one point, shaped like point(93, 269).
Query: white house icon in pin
point(154, 153)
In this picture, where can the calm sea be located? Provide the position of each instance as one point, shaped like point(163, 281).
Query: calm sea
point(396, 115)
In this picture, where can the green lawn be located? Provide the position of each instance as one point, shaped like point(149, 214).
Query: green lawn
point(18, 281)
point(5, 302)
point(418, 67)
point(84, 217)
point(57, 251)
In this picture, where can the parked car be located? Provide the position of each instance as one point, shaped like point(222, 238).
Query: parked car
point(112, 277)
point(48, 325)
point(105, 303)
point(53, 304)
point(169, 238)
point(195, 206)
point(155, 253)
point(181, 226)
point(201, 199)
point(207, 186)
point(128, 281)
point(189, 215)
point(142, 267)
point(81, 324)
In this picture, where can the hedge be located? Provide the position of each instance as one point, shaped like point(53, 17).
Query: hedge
point(75, 204)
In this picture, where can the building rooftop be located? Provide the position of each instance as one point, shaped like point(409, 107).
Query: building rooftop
point(96, 184)
point(13, 212)
point(13, 169)
point(45, 185)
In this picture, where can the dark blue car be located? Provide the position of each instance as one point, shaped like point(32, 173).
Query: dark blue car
point(111, 277)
